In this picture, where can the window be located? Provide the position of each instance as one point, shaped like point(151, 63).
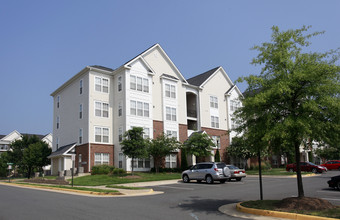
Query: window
point(170, 91)
point(80, 111)
point(57, 143)
point(139, 108)
point(145, 85)
point(101, 158)
point(120, 109)
point(139, 83)
point(141, 163)
point(80, 158)
point(172, 133)
point(58, 101)
point(217, 141)
point(81, 86)
point(120, 160)
point(171, 114)
point(101, 84)
point(146, 133)
point(101, 135)
point(119, 83)
point(80, 136)
point(214, 122)
point(171, 161)
point(102, 109)
point(58, 122)
point(213, 102)
point(133, 107)
point(120, 134)
point(133, 82)
point(234, 105)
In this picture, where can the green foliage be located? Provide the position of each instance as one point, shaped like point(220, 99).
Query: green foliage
point(329, 153)
point(184, 161)
point(29, 154)
point(133, 145)
point(217, 156)
point(296, 96)
point(239, 148)
point(160, 147)
point(199, 144)
point(106, 169)
point(3, 164)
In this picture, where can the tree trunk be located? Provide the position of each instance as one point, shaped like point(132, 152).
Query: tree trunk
point(298, 169)
point(132, 163)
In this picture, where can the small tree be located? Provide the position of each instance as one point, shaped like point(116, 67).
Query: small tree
point(240, 149)
point(134, 145)
point(160, 147)
point(217, 156)
point(3, 164)
point(199, 144)
point(184, 161)
point(35, 157)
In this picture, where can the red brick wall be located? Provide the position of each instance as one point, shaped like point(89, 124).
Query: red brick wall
point(224, 138)
point(102, 148)
point(84, 151)
point(183, 136)
point(157, 128)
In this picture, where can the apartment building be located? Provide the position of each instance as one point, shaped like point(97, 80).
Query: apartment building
point(95, 107)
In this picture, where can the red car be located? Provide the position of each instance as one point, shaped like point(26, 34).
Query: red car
point(332, 165)
point(307, 167)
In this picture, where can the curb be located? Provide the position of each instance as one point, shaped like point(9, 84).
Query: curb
point(64, 190)
point(277, 214)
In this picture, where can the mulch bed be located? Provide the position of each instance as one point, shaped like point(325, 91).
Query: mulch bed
point(304, 203)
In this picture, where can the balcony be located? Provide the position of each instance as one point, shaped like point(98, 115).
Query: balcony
point(192, 113)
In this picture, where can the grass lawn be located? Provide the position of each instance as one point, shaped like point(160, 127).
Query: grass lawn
point(99, 180)
point(274, 171)
point(270, 205)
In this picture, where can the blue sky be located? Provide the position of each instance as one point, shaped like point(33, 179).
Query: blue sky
point(45, 43)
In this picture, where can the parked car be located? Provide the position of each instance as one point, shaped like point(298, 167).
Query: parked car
point(334, 182)
point(236, 173)
point(207, 171)
point(332, 165)
point(307, 167)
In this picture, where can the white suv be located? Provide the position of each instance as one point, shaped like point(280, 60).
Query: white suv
point(208, 171)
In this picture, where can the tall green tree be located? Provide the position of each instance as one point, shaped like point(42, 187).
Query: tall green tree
point(198, 144)
point(239, 148)
point(38, 154)
point(35, 157)
point(160, 147)
point(295, 96)
point(3, 164)
point(134, 145)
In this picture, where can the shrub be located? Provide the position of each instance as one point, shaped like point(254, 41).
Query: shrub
point(117, 171)
point(102, 169)
point(167, 170)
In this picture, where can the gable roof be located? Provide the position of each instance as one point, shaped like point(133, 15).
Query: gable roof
point(234, 87)
point(201, 78)
point(63, 150)
point(102, 67)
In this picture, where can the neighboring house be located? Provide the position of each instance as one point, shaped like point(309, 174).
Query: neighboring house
point(6, 140)
point(98, 105)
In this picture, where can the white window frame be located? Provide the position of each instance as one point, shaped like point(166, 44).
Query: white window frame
point(101, 109)
point(80, 111)
point(101, 159)
point(119, 84)
point(80, 86)
point(80, 136)
point(146, 133)
point(215, 122)
point(170, 91)
point(139, 84)
point(171, 113)
point(120, 134)
point(171, 161)
point(58, 122)
point(171, 133)
point(101, 134)
point(101, 84)
point(141, 109)
point(58, 101)
point(213, 102)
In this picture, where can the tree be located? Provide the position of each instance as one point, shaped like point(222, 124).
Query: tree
point(184, 161)
point(134, 145)
point(35, 157)
point(3, 164)
point(199, 144)
point(296, 95)
point(329, 153)
point(38, 154)
point(160, 147)
point(239, 148)
point(217, 156)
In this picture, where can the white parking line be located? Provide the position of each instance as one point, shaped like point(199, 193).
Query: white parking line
point(174, 187)
point(328, 192)
point(331, 199)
